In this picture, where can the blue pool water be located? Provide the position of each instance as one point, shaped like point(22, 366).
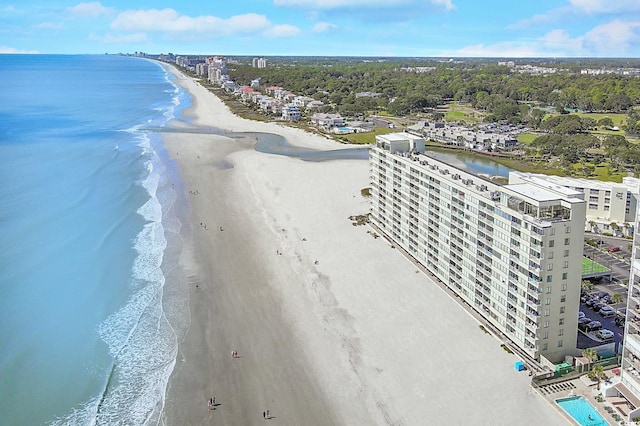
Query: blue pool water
point(580, 409)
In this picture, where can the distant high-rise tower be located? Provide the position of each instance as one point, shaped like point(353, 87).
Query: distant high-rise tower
point(259, 63)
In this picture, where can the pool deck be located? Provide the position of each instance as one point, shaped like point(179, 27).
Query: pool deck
point(583, 386)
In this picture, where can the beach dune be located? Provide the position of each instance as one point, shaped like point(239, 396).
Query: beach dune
point(332, 326)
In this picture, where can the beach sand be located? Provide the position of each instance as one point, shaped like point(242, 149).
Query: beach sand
point(357, 338)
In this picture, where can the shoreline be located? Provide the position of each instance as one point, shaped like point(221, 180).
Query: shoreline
point(357, 338)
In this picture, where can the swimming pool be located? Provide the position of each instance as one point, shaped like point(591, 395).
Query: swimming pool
point(583, 412)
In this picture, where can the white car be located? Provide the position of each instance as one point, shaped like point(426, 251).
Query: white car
point(604, 334)
point(607, 311)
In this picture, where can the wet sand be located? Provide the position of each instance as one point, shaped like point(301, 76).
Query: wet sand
point(337, 329)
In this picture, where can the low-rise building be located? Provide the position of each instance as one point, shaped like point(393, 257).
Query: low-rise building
point(611, 206)
point(291, 112)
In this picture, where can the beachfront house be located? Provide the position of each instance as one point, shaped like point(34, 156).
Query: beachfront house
point(290, 112)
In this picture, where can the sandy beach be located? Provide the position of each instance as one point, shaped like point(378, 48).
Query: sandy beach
point(332, 326)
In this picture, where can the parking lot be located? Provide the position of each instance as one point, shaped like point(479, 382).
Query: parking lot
point(584, 339)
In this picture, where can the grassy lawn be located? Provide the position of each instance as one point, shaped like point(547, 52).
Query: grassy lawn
point(456, 112)
point(526, 138)
point(590, 267)
point(618, 119)
point(604, 172)
point(366, 137)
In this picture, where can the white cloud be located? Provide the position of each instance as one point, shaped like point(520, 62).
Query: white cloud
point(613, 38)
point(446, 3)
point(322, 27)
point(169, 21)
point(9, 8)
point(339, 4)
point(89, 10)
point(7, 49)
point(128, 38)
point(498, 50)
point(281, 31)
point(553, 44)
point(606, 6)
point(50, 26)
point(554, 15)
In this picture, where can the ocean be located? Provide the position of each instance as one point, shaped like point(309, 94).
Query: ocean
point(92, 300)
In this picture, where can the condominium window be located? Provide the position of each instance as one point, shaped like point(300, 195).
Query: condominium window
point(564, 277)
point(545, 346)
point(564, 286)
point(567, 241)
point(550, 267)
point(565, 264)
point(545, 324)
point(566, 253)
point(547, 312)
point(551, 243)
point(550, 255)
point(563, 298)
point(593, 206)
point(567, 230)
point(561, 321)
point(545, 335)
point(559, 343)
point(548, 301)
point(561, 332)
point(549, 279)
point(562, 309)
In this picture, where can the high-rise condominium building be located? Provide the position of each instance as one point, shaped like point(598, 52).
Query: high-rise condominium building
point(629, 385)
point(512, 252)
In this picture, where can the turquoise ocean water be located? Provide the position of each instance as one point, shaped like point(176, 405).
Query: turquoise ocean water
point(91, 310)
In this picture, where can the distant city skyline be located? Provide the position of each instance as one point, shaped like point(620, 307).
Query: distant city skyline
point(432, 28)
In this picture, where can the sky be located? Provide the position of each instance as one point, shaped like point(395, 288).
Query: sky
point(413, 28)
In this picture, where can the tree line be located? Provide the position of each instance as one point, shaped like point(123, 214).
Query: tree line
point(401, 90)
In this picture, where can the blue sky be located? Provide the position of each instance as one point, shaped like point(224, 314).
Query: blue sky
point(444, 28)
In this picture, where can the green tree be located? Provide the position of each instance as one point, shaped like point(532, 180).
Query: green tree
point(591, 354)
point(616, 298)
point(605, 122)
point(597, 373)
point(587, 285)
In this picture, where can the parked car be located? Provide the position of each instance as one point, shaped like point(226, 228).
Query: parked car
point(607, 311)
point(597, 306)
point(591, 301)
point(594, 326)
point(614, 249)
point(604, 334)
point(606, 299)
point(582, 323)
point(581, 315)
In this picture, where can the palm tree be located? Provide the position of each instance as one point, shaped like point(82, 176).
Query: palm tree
point(616, 298)
point(597, 372)
point(590, 353)
point(592, 224)
point(615, 227)
point(587, 285)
